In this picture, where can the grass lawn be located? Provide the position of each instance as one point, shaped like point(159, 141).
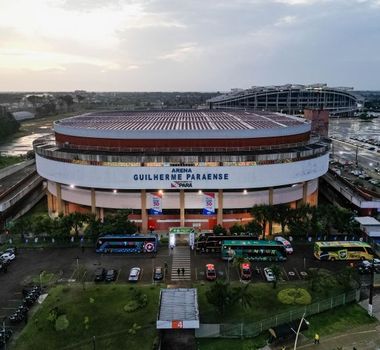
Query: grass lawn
point(96, 311)
point(6, 161)
point(233, 344)
point(337, 320)
point(265, 303)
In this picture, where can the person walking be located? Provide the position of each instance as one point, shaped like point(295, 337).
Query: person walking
point(316, 338)
point(183, 271)
point(178, 271)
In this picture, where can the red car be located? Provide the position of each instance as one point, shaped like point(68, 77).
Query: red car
point(210, 272)
point(245, 271)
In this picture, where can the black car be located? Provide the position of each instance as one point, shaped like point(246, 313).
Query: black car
point(158, 274)
point(100, 274)
point(111, 275)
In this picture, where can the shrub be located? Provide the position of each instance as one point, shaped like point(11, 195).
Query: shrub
point(131, 306)
point(294, 296)
point(61, 323)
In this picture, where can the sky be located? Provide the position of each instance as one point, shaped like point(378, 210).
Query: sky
point(187, 45)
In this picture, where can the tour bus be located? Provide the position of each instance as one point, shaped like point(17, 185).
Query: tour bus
point(253, 250)
point(343, 250)
point(127, 244)
point(213, 243)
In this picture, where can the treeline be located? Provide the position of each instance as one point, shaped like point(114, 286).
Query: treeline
point(8, 125)
point(73, 224)
point(306, 220)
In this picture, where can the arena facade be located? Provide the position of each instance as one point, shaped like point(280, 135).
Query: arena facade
point(192, 168)
point(292, 99)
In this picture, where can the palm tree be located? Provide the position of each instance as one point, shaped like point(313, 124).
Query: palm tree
point(244, 296)
point(282, 214)
point(262, 214)
point(277, 273)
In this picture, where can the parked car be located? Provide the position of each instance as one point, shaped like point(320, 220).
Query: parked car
point(210, 272)
point(158, 273)
point(245, 271)
point(134, 274)
point(364, 267)
point(100, 274)
point(11, 250)
point(111, 275)
point(269, 276)
point(8, 256)
point(285, 243)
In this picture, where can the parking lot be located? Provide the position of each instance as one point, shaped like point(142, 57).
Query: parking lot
point(72, 264)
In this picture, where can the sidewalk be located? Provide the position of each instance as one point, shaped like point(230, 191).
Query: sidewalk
point(362, 338)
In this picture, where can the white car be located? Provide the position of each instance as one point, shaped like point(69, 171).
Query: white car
point(134, 274)
point(270, 277)
point(285, 243)
point(8, 256)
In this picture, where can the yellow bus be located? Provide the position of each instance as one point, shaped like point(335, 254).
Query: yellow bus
point(343, 250)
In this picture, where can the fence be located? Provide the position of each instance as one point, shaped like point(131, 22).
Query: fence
point(249, 330)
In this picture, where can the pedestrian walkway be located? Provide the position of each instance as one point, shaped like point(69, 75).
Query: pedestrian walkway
point(362, 338)
point(181, 260)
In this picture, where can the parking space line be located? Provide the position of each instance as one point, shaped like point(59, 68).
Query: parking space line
point(285, 273)
point(295, 269)
point(118, 274)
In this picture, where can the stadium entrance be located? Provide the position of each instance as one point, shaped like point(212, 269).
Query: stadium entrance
point(181, 236)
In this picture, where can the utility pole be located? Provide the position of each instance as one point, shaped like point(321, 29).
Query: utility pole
point(356, 155)
point(370, 299)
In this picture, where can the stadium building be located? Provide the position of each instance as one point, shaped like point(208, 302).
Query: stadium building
point(192, 168)
point(292, 99)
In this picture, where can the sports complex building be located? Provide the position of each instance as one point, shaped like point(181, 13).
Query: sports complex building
point(292, 99)
point(192, 168)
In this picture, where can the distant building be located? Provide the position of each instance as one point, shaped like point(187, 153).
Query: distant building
point(22, 115)
point(319, 119)
point(292, 99)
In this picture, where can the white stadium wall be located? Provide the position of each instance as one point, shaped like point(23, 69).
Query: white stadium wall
point(170, 200)
point(155, 178)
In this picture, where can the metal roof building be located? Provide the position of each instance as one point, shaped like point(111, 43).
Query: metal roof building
point(178, 309)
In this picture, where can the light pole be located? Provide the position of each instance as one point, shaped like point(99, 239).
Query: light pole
point(4, 337)
point(370, 298)
point(299, 328)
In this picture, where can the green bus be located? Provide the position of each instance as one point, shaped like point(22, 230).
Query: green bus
point(343, 250)
point(255, 250)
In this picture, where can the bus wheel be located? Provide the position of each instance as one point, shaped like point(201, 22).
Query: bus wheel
point(362, 258)
point(332, 259)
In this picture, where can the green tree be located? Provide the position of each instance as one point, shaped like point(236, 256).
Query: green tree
point(254, 228)
point(118, 223)
point(219, 230)
point(282, 215)
point(237, 229)
point(276, 273)
point(220, 296)
point(261, 214)
point(20, 226)
point(41, 224)
point(243, 296)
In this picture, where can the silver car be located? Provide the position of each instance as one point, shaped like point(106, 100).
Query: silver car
point(270, 277)
point(134, 274)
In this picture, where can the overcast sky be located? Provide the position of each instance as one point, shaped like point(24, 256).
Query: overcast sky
point(187, 45)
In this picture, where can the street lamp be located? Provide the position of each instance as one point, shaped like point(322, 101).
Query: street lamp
point(299, 328)
point(4, 338)
point(370, 297)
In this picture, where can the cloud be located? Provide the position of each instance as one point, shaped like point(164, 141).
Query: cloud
point(181, 45)
point(181, 53)
point(286, 20)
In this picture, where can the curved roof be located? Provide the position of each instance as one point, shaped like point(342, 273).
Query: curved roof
point(191, 124)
